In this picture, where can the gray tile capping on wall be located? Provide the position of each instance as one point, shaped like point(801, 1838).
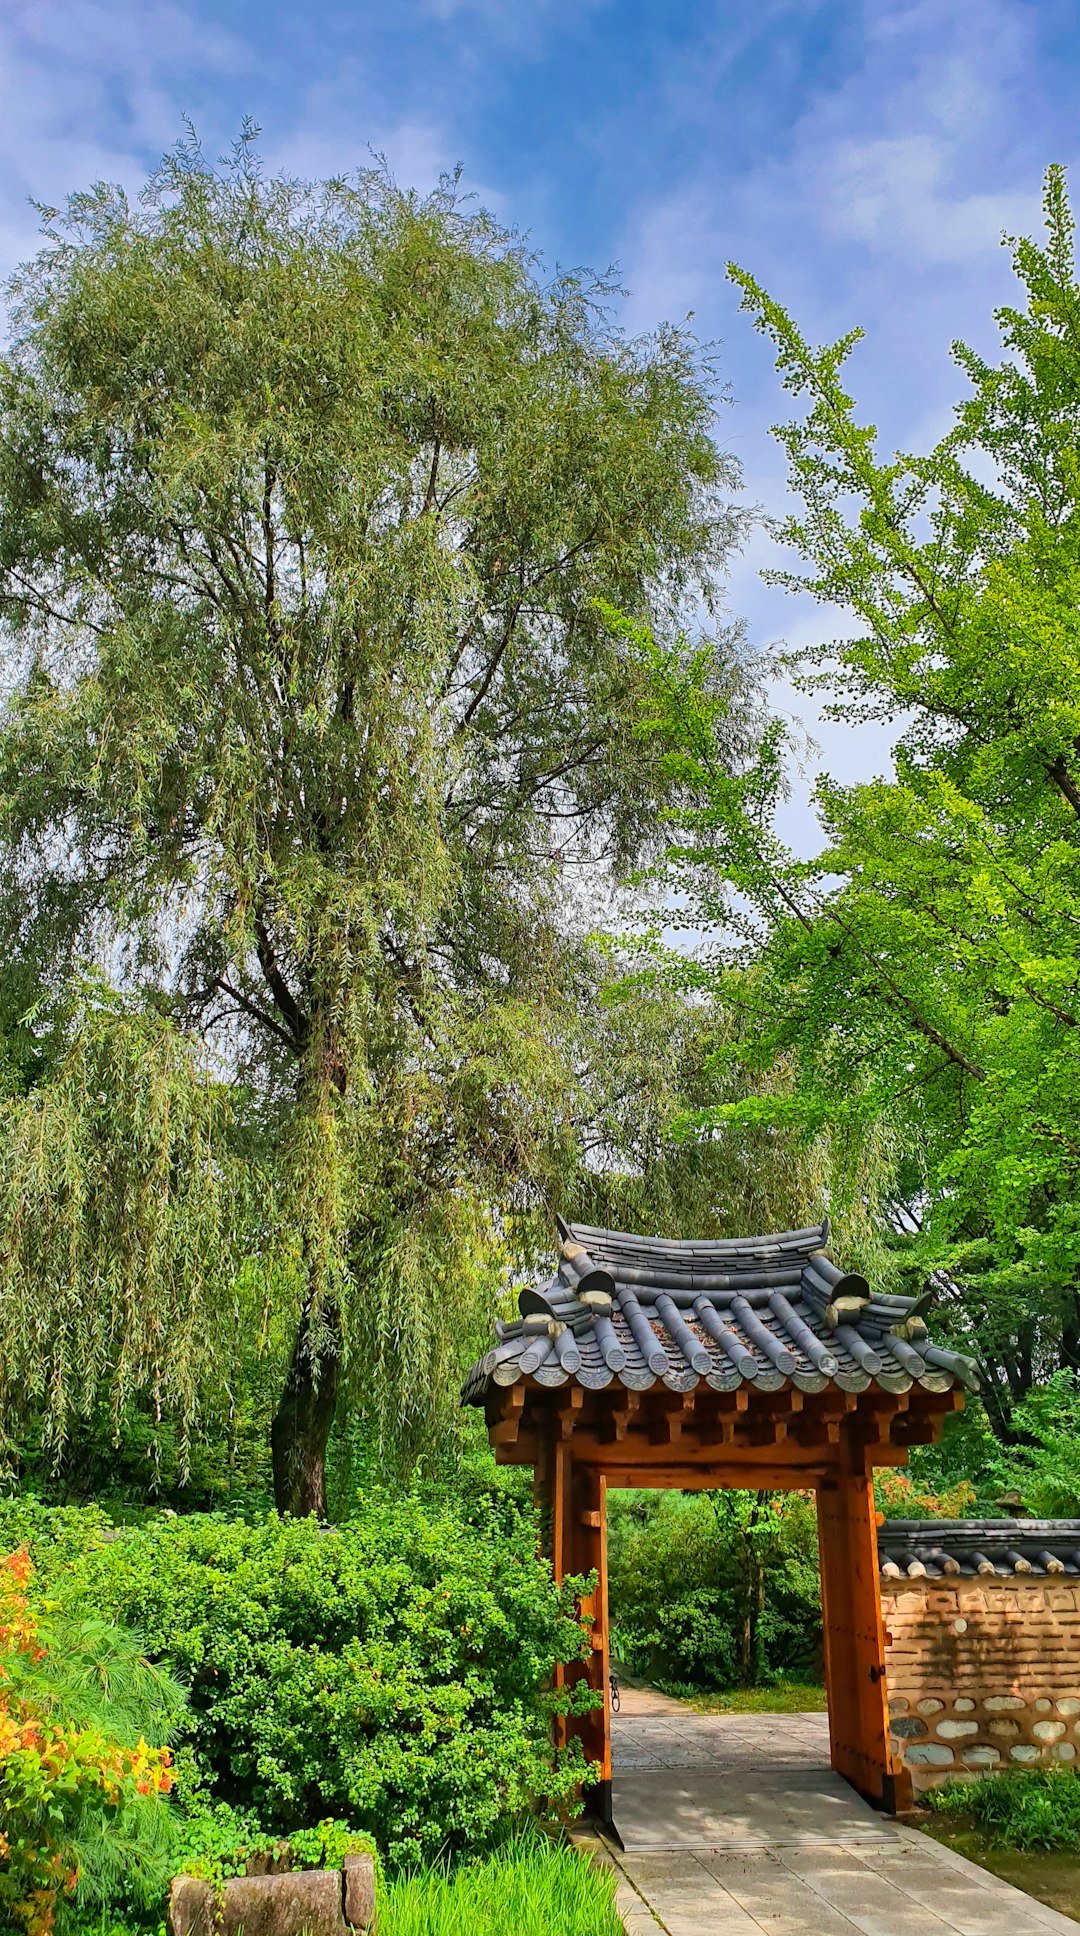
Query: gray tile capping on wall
point(983, 1656)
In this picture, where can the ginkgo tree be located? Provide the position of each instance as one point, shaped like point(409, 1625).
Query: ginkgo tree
point(920, 979)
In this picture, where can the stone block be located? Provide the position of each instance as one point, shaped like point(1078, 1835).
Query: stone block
point(308, 1902)
point(1002, 1703)
point(1048, 1730)
point(958, 1730)
point(359, 1871)
point(191, 1907)
point(1003, 1730)
point(931, 1706)
point(1069, 1704)
point(1063, 1751)
point(1023, 1751)
point(980, 1756)
point(305, 1904)
point(908, 1727)
point(963, 1704)
point(929, 1754)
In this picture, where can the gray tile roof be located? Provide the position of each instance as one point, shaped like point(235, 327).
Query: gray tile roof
point(939, 1548)
point(762, 1311)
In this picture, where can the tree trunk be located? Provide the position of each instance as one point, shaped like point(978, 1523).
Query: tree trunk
point(753, 1595)
point(301, 1427)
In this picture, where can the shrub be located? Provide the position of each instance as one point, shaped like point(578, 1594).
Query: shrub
point(1024, 1808)
point(81, 1815)
point(899, 1496)
point(388, 1672)
point(713, 1589)
point(217, 1842)
point(1045, 1467)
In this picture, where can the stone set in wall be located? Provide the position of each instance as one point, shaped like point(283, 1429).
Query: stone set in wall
point(939, 1738)
point(982, 1672)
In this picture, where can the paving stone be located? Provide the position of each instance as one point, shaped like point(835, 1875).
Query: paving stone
point(872, 1902)
point(763, 1888)
point(760, 1835)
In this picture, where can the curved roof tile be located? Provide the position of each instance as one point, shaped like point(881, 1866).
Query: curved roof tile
point(757, 1310)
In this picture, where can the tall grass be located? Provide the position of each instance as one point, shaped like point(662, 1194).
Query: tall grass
point(1024, 1808)
point(532, 1887)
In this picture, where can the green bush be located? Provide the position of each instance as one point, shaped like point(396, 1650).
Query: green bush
point(711, 1590)
point(530, 1888)
point(1025, 1808)
point(388, 1673)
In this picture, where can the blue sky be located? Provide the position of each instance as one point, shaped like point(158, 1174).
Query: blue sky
point(862, 157)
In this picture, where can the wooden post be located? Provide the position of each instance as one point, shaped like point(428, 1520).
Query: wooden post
point(572, 1502)
point(588, 1494)
point(854, 1635)
point(552, 1479)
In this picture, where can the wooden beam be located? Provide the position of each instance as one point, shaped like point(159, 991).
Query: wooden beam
point(887, 1455)
point(635, 1449)
point(619, 1419)
point(768, 1431)
point(524, 1450)
point(717, 1477)
point(507, 1428)
point(818, 1432)
point(664, 1428)
point(572, 1404)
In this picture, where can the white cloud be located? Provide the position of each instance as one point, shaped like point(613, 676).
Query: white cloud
point(99, 89)
point(92, 91)
point(893, 194)
point(883, 203)
point(325, 139)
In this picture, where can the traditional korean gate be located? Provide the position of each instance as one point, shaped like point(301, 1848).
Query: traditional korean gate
point(752, 1363)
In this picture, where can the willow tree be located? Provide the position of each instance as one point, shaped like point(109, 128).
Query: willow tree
point(306, 495)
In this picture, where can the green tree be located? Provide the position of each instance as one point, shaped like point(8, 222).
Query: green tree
point(920, 980)
point(306, 493)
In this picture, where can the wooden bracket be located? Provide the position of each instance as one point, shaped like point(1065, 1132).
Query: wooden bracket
point(619, 1418)
point(573, 1400)
point(507, 1428)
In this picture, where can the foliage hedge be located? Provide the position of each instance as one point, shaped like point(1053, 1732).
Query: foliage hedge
point(710, 1590)
point(717, 1590)
point(388, 1672)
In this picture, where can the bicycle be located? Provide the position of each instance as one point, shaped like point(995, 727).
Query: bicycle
point(614, 1691)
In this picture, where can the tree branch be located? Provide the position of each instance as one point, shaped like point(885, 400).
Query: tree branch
point(296, 1021)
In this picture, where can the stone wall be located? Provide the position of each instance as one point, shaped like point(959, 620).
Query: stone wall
point(982, 1672)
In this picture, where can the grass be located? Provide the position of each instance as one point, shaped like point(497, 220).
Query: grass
point(533, 1887)
point(786, 1697)
point(1025, 1808)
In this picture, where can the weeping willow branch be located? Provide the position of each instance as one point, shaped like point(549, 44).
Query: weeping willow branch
point(128, 1208)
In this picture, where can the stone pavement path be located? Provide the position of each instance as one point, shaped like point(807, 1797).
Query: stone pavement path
point(735, 1824)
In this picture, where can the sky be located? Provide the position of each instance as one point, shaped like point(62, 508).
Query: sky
point(861, 157)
